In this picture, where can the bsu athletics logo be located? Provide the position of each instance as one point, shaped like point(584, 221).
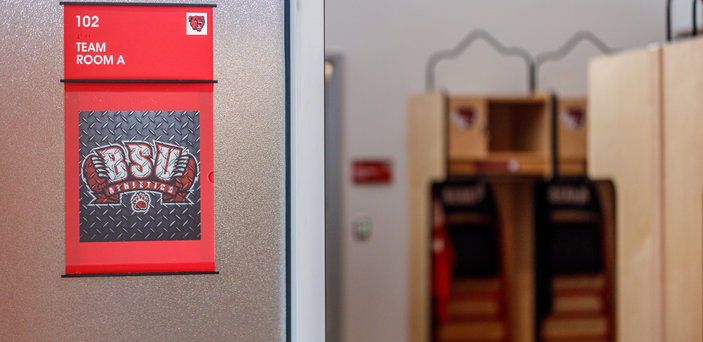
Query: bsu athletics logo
point(140, 168)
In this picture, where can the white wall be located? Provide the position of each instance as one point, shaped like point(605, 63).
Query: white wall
point(385, 45)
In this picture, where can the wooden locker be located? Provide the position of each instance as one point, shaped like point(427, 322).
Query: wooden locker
point(644, 134)
point(427, 160)
point(489, 136)
point(469, 254)
point(683, 183)
point(624, 139)
point(516, 286)
point(426, 163)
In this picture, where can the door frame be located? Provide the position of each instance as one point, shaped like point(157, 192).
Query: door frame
point(305, 170)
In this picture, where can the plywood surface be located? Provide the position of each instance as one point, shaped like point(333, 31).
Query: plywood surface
point(520, 127)
point(683, 180)
point(426, 163)
point(519, 163)
point(571, 128)
point(502, 130)
point(467, 120)
point(514, 201)
point(522, 276)
point(623, 145)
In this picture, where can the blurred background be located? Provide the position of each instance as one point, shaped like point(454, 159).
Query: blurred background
point(377, 53)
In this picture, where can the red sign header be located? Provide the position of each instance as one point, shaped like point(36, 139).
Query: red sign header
point(138, 42)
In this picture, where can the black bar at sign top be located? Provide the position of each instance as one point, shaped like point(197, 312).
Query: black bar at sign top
point(134, 4)
point(134, 81)
point(288, 133)
point(93, 275)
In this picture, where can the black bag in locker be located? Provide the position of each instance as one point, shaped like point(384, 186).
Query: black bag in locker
point(568, 234)
point(472, 226)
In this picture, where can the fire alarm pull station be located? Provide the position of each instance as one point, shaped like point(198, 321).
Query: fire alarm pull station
point(138, 138)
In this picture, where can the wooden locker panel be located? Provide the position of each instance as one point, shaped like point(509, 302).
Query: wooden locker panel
point(522, 277)
point(571, 128)
point(624, 135)
point(466, 127)
point(683, 202)
point(503, 163)
point(514, 201)
point(426, 154)
point(513, 137)
point(607, 195)
point(520, 125)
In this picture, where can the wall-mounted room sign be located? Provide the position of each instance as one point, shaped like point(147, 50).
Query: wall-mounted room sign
point(138, 137)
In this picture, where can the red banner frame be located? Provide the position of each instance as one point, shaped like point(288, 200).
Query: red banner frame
point(166, 68)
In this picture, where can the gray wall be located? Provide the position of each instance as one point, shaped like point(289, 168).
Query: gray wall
point(245, 302)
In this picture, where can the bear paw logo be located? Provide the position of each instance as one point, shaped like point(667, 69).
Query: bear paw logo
point(140, 202)
point(197, 22)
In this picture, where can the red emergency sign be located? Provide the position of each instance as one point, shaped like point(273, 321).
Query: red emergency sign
point(138, 138)
point(372, 172)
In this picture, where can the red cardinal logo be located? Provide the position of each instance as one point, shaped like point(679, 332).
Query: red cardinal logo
point(197, 22)
point(463, 117)
point(573, 117)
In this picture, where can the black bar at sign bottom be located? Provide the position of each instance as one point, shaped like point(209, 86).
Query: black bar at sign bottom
point(94, 275)
point(134, 81)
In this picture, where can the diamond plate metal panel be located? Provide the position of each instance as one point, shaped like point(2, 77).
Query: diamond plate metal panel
point(120, 222)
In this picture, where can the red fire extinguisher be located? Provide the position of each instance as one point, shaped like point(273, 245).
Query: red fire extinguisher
point(442, 263)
